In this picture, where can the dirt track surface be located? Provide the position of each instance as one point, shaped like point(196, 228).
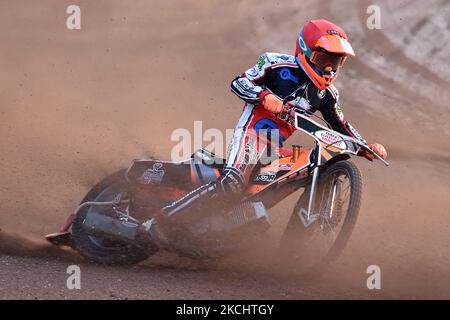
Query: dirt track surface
point(77, 105)
point(168, 281)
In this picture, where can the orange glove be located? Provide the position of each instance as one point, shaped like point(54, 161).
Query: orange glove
point(378, 149)
point(272, 103)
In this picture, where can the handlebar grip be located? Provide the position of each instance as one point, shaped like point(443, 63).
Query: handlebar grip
point(366, 147)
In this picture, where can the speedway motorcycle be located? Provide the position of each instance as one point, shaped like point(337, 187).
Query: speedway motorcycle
point(105, 227)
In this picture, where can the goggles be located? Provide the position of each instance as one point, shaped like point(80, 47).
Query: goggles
point(323, 59)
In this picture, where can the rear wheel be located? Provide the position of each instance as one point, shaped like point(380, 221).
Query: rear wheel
point(98, 249)
point(337, 201)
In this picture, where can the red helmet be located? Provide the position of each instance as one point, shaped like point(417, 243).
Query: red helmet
point(321, 50)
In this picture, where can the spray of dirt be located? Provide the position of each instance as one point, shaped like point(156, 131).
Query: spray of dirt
point(16, 245)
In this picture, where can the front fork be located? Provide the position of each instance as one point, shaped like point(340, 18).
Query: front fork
point(307, 216)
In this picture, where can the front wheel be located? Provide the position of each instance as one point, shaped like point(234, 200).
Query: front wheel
point(337, 201)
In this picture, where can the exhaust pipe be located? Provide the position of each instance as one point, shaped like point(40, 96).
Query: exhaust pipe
point(114, 229)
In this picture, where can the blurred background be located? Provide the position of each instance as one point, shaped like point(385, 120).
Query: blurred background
point(76, 105)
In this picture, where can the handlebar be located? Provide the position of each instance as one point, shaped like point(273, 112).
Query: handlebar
point(366, 147)
point(293, 108)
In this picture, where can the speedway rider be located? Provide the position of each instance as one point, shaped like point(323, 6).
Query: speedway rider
point(305, 78)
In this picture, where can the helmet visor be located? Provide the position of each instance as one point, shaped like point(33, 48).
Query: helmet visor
point(324, 59)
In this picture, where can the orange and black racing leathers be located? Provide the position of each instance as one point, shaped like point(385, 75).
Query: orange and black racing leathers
point(280, 75)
